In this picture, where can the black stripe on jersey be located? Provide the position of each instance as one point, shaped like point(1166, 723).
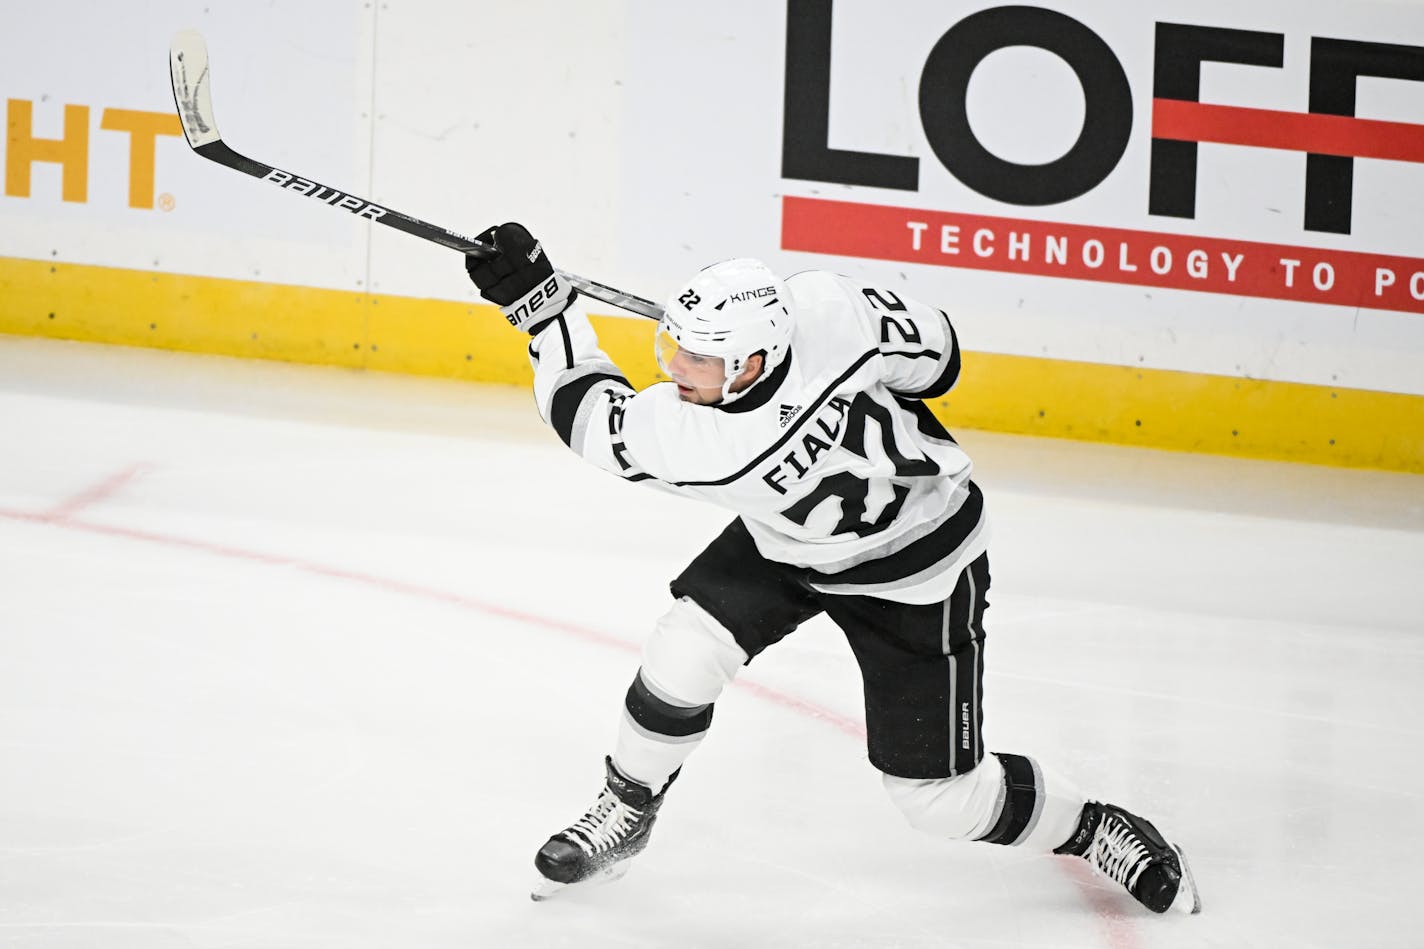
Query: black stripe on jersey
point(946, 379)
point(925, 420)
point(563, 409)
point(922, 554)
point(791, 429)
point(568, 343)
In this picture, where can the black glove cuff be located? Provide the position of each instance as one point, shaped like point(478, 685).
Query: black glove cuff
point(542, 325)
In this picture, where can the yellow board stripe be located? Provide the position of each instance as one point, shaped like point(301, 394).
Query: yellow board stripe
point(1186, 411)
point(1145, 407)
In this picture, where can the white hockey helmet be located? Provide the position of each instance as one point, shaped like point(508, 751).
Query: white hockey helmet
point(732, 310)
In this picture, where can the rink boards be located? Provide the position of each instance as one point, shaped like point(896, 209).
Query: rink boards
point(1188, 226)
point(998, 392)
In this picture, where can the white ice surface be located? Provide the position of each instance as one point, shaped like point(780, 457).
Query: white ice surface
point(297, 657)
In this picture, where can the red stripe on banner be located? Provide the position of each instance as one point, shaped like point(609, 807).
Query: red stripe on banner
point(1104, 254)
point(1311, 132)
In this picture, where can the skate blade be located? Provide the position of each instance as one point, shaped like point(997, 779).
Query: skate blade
point(547, 889)
point(1188, 899)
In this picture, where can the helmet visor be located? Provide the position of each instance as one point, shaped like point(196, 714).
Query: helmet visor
point(686, 367)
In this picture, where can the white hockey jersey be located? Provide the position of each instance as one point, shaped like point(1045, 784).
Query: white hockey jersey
point(833, 462)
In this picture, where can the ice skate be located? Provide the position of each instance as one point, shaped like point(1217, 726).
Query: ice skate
point(597, 847)
point(1127, 849)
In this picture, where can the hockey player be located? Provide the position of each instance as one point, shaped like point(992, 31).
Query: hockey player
point(797, 405)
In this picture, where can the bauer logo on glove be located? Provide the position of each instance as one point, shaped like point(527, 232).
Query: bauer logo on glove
point(553, 296)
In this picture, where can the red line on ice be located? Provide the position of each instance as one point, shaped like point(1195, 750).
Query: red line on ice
point(61, 517)
point(93, 495)
point(1118, 929)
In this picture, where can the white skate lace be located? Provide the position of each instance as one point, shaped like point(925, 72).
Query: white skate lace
point(605, 826)
point(1117, 853)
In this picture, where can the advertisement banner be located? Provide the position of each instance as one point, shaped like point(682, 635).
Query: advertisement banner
point(95, 168)
point(1212, 187)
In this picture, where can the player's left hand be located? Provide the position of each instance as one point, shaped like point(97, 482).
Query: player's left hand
point(521, 281)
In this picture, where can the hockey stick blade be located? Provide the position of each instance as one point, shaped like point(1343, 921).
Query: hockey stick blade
point(192, 96)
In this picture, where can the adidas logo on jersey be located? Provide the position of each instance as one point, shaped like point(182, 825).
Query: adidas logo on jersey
point(788, 412)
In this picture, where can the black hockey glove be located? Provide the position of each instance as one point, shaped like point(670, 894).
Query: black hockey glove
point(521, 281)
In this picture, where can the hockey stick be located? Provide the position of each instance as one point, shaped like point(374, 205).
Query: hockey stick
point(192, 94)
